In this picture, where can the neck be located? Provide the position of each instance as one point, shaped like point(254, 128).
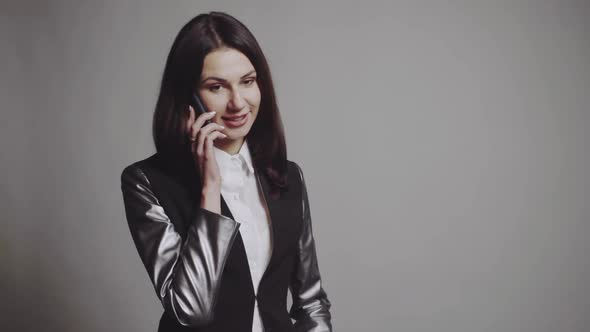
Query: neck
point(230, 146)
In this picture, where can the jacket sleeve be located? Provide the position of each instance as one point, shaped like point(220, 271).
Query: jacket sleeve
point(311, 307)
point(185, 273)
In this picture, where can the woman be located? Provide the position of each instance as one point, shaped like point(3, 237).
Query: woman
point(219, 216)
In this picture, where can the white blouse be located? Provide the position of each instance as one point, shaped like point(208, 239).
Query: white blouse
point(245, 200)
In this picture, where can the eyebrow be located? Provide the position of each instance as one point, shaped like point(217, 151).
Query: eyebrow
point(223, 80)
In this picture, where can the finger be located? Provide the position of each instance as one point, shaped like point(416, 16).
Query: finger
point(205, 133)
point(209, 128)
point(206, 130)
point(217, 134)
point(191, 119)
point(209, 153)
point(200, 121)
point(199, 144)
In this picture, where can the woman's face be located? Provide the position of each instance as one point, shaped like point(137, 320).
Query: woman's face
point(229, 87)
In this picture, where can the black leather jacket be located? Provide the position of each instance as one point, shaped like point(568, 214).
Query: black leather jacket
point(197, 263)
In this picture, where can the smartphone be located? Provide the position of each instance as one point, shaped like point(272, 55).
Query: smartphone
point(198, 106)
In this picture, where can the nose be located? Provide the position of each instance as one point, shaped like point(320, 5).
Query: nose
point(236, 101)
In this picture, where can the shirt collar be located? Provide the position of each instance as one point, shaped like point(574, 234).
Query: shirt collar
point(224, 159)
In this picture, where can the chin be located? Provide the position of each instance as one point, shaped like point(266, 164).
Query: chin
point(238, 133)
point(234, 136)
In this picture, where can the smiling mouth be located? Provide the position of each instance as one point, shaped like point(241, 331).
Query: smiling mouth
point(236, 122)
point(236, 118)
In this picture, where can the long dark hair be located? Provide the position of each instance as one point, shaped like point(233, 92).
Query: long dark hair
point(197, 38)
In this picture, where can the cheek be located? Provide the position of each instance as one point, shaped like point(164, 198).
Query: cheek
point(254, 97)
point(216, 103)
point(212, 104)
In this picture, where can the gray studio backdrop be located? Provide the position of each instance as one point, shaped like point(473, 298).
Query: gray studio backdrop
point(444, 144)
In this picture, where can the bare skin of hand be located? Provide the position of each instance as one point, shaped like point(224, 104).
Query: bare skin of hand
point(202, 138)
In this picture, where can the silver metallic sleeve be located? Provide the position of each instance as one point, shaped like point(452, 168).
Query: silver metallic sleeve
point(185, 273)
point(311, 307)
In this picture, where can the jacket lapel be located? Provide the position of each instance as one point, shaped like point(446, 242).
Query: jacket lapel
point(276, 219)
point(283, 214)
point(285, 225)
point(273, 211)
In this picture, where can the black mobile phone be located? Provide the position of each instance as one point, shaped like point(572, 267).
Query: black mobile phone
point(198, 106)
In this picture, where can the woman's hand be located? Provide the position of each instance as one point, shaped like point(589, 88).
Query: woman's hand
point(202, 138)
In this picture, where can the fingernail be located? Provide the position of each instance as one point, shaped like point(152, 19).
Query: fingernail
point(212, 112)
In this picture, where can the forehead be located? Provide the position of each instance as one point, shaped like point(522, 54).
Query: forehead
point(226, 63)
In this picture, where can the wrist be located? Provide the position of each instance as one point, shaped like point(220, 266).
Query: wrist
point(211, 191)
point(211, 200)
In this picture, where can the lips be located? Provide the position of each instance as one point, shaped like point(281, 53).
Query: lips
point(235, 121)
point(234, 118)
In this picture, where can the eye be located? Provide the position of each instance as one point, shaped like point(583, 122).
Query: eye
point(214, 88)
point(250, 81)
